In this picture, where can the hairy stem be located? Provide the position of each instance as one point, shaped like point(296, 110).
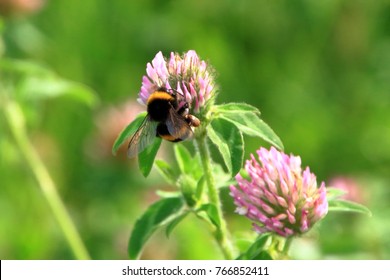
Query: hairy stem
point(16, 121)
point(221, 233)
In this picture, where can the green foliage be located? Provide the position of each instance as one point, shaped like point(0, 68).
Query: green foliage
point(175, 222)
point(157, 215)
point(236, 108)
point(334, 193)
point(322, 87)
point(200, 187)
point(31, 81)
point(128, 131)
point(192, 183)
point(166, 171)
point(337, 204)
point(147, 156)
point(225, 131)
point(247, 120)
point(184, 159)
point(348, 206)
point(211, 212)
point(229, 142)
point(20, 84)
point(188, 186)
point(257, 251)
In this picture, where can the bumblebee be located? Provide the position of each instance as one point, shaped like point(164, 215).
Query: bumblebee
point(164, 119)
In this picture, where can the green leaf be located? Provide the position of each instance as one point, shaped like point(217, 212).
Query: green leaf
point(147, 156)
point(183, 158)
point(156, 216)
point(333, 193)
point(34, 81)
point(229, 142)
point(256, 248)
point(174, 223)
point(263, 255)
point(236, 108)
point(212, 213)
point(348, 206)
point(22, 68)
point(167, 194)
point(200, 187)
point(221, 178)
point(188, 186)
point(166, 171)
point(128, 131)
point(250, 124)
point(51, 87)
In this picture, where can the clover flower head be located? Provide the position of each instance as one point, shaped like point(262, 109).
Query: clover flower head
point(279, 197)
point(187, 74)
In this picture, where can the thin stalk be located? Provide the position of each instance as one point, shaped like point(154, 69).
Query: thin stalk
point(221, 233)
point(16, 121)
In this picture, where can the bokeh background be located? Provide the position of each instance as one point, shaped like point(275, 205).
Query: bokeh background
point(319, 71)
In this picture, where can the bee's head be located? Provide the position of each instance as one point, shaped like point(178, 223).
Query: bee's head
point(172, 92)
point(180, 101)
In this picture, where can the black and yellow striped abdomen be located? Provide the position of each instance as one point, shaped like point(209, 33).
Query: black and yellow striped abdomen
point(182, 133)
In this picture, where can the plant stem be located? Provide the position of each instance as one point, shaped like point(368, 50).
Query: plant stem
point(221, 233)
point(16, 121)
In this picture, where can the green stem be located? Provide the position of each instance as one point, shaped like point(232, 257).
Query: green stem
point(221, 233)
point(16, 121)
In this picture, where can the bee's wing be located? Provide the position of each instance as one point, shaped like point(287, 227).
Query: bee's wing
point(177, 126)
point(143, 137)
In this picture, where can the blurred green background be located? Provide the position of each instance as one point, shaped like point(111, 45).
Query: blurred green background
point(319, 71)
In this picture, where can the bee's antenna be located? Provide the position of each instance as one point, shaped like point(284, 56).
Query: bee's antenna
point(174, 91)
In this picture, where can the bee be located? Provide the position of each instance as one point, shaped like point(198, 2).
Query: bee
point(164, 119)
